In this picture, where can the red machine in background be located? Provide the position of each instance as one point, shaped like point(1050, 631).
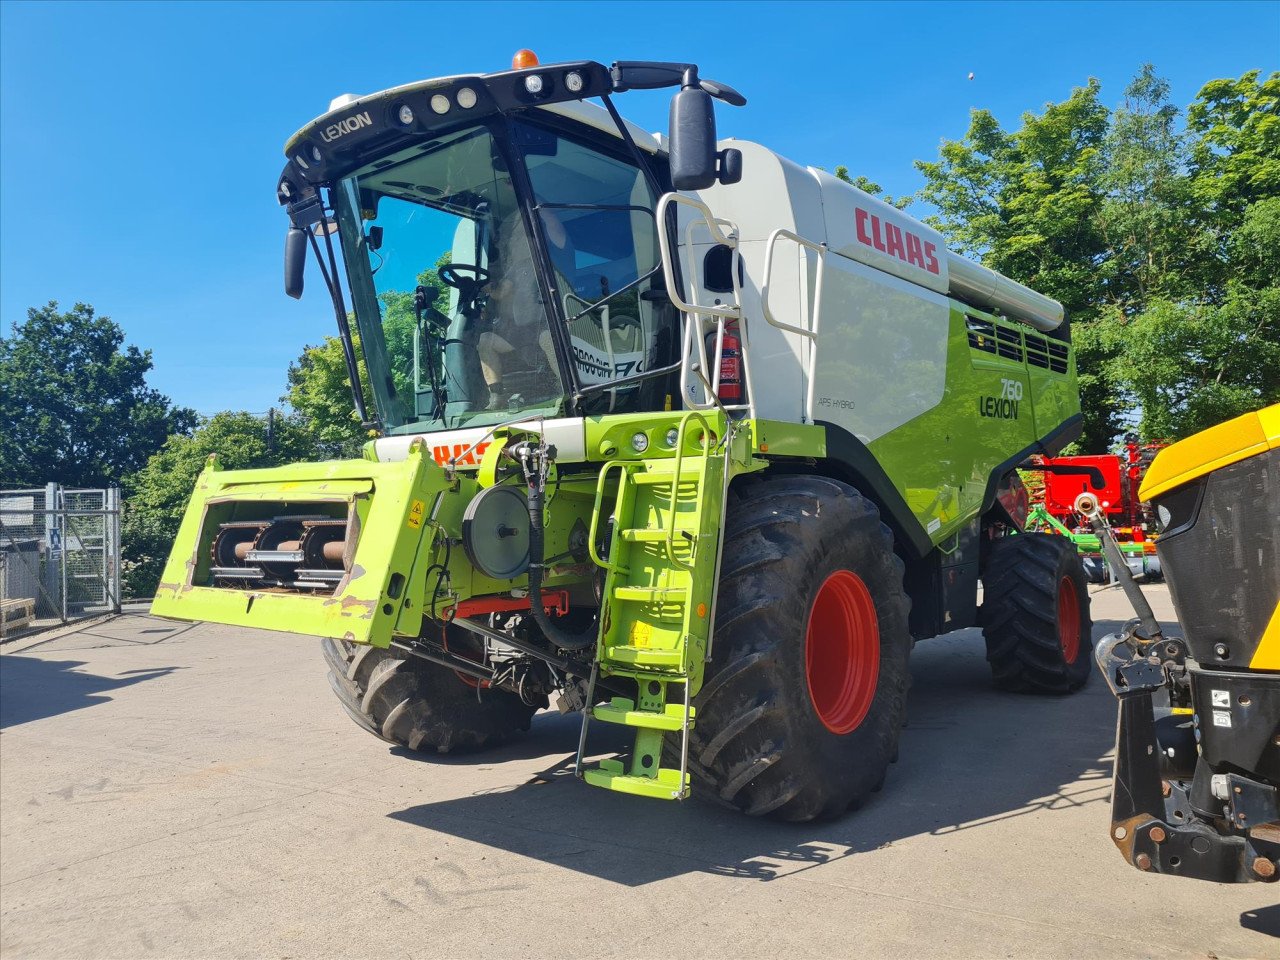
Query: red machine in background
point(1062, 489)
point(1128, 517)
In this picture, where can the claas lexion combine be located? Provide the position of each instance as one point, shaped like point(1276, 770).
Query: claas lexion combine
point(686, 436)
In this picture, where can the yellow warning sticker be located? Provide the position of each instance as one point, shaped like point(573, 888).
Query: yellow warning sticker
point(415, 514)
point(641, 634)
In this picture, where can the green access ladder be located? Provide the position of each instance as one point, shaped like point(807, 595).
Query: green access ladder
point(655, 622)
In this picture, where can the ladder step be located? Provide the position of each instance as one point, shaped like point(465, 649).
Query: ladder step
point(652, 594)
point(665, 786)
point(645, 657)
point(643, 536)
point(683, 537)
point(623, 711)
point(660, 476)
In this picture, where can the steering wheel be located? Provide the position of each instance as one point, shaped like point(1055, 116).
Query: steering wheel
point(468, 279)
point(455, 275)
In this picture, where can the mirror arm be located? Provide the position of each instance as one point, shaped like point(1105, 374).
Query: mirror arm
point(652, 75)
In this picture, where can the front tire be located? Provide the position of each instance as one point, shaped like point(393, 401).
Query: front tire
point(418, 704)
point(1035, 614)
point(803, 702)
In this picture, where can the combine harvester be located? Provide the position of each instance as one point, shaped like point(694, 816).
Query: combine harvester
point(696, 440)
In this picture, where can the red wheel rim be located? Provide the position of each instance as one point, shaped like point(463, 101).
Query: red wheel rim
point(842, 652)
point(1068, 619)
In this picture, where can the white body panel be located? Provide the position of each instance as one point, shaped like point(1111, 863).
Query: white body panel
point(881, 358)
point(774, 193)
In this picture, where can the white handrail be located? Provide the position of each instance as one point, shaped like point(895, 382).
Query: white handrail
point(810, 332)
point(664, 245)
point(820, 249)
point(692, 345)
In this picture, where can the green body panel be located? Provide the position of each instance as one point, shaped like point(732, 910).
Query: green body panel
point(381, 498)
point(942, 460)
point(387, 502)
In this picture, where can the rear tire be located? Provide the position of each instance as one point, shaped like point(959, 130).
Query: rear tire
point(418, 704)
point(803, 702)
point(1035, 615)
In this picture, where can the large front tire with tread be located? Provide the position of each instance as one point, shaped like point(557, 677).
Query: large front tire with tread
point(803, 702)
point(1035, 614)
point(418, 704)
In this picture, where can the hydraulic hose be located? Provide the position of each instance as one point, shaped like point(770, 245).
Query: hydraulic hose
point(536, 458)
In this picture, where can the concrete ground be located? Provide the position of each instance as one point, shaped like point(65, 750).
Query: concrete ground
point(171, 790)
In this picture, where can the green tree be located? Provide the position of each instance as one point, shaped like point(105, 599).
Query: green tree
point(1143, 221)
point(75, 403)
point(1236, 155)
point(157, 495)
point(319, 392)
point(1159, 240)
point(867, 185)
point(1191, 365)
point(1208, 349)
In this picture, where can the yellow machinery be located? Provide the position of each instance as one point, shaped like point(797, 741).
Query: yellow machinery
point(1198, 741)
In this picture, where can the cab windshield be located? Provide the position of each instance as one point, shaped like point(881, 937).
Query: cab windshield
point(454, 326)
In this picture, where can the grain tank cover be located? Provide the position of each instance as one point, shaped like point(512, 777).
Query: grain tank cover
point(872, 232)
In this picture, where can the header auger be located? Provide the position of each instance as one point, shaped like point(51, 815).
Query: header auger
point(689, 437)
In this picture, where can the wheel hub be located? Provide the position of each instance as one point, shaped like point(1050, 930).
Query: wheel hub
point(842, 652)
point(1068, 619)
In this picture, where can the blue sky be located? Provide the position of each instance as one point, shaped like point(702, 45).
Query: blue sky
point(139, 143)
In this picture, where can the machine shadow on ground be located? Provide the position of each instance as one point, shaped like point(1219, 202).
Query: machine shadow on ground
point(32, 688)
point(970, 756)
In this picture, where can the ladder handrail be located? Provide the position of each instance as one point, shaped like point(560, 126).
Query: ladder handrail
point(692, 346)
point(664, 246)
point(593, 530)
point(819, 248)
point(675, 484)
point(731, 427)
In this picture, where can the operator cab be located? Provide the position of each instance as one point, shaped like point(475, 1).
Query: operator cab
point(500, 246)
point(443, 224)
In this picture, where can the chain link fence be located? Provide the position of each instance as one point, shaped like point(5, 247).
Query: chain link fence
point(59, 555)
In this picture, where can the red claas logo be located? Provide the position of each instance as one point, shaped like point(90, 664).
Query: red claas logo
point(896, 242)
point(463, 454)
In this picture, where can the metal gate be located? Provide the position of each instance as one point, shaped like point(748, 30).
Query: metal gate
point(59, 555)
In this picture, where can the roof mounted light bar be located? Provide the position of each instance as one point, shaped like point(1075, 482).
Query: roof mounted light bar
point(339, 141)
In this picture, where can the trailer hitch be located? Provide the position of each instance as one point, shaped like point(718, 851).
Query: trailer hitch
point(1132, 665)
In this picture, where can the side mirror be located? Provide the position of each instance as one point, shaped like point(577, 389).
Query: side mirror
point(730, 166)
point(692, 136)
point(295, 261)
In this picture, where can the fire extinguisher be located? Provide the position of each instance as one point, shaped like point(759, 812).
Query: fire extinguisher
point(731, 387)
